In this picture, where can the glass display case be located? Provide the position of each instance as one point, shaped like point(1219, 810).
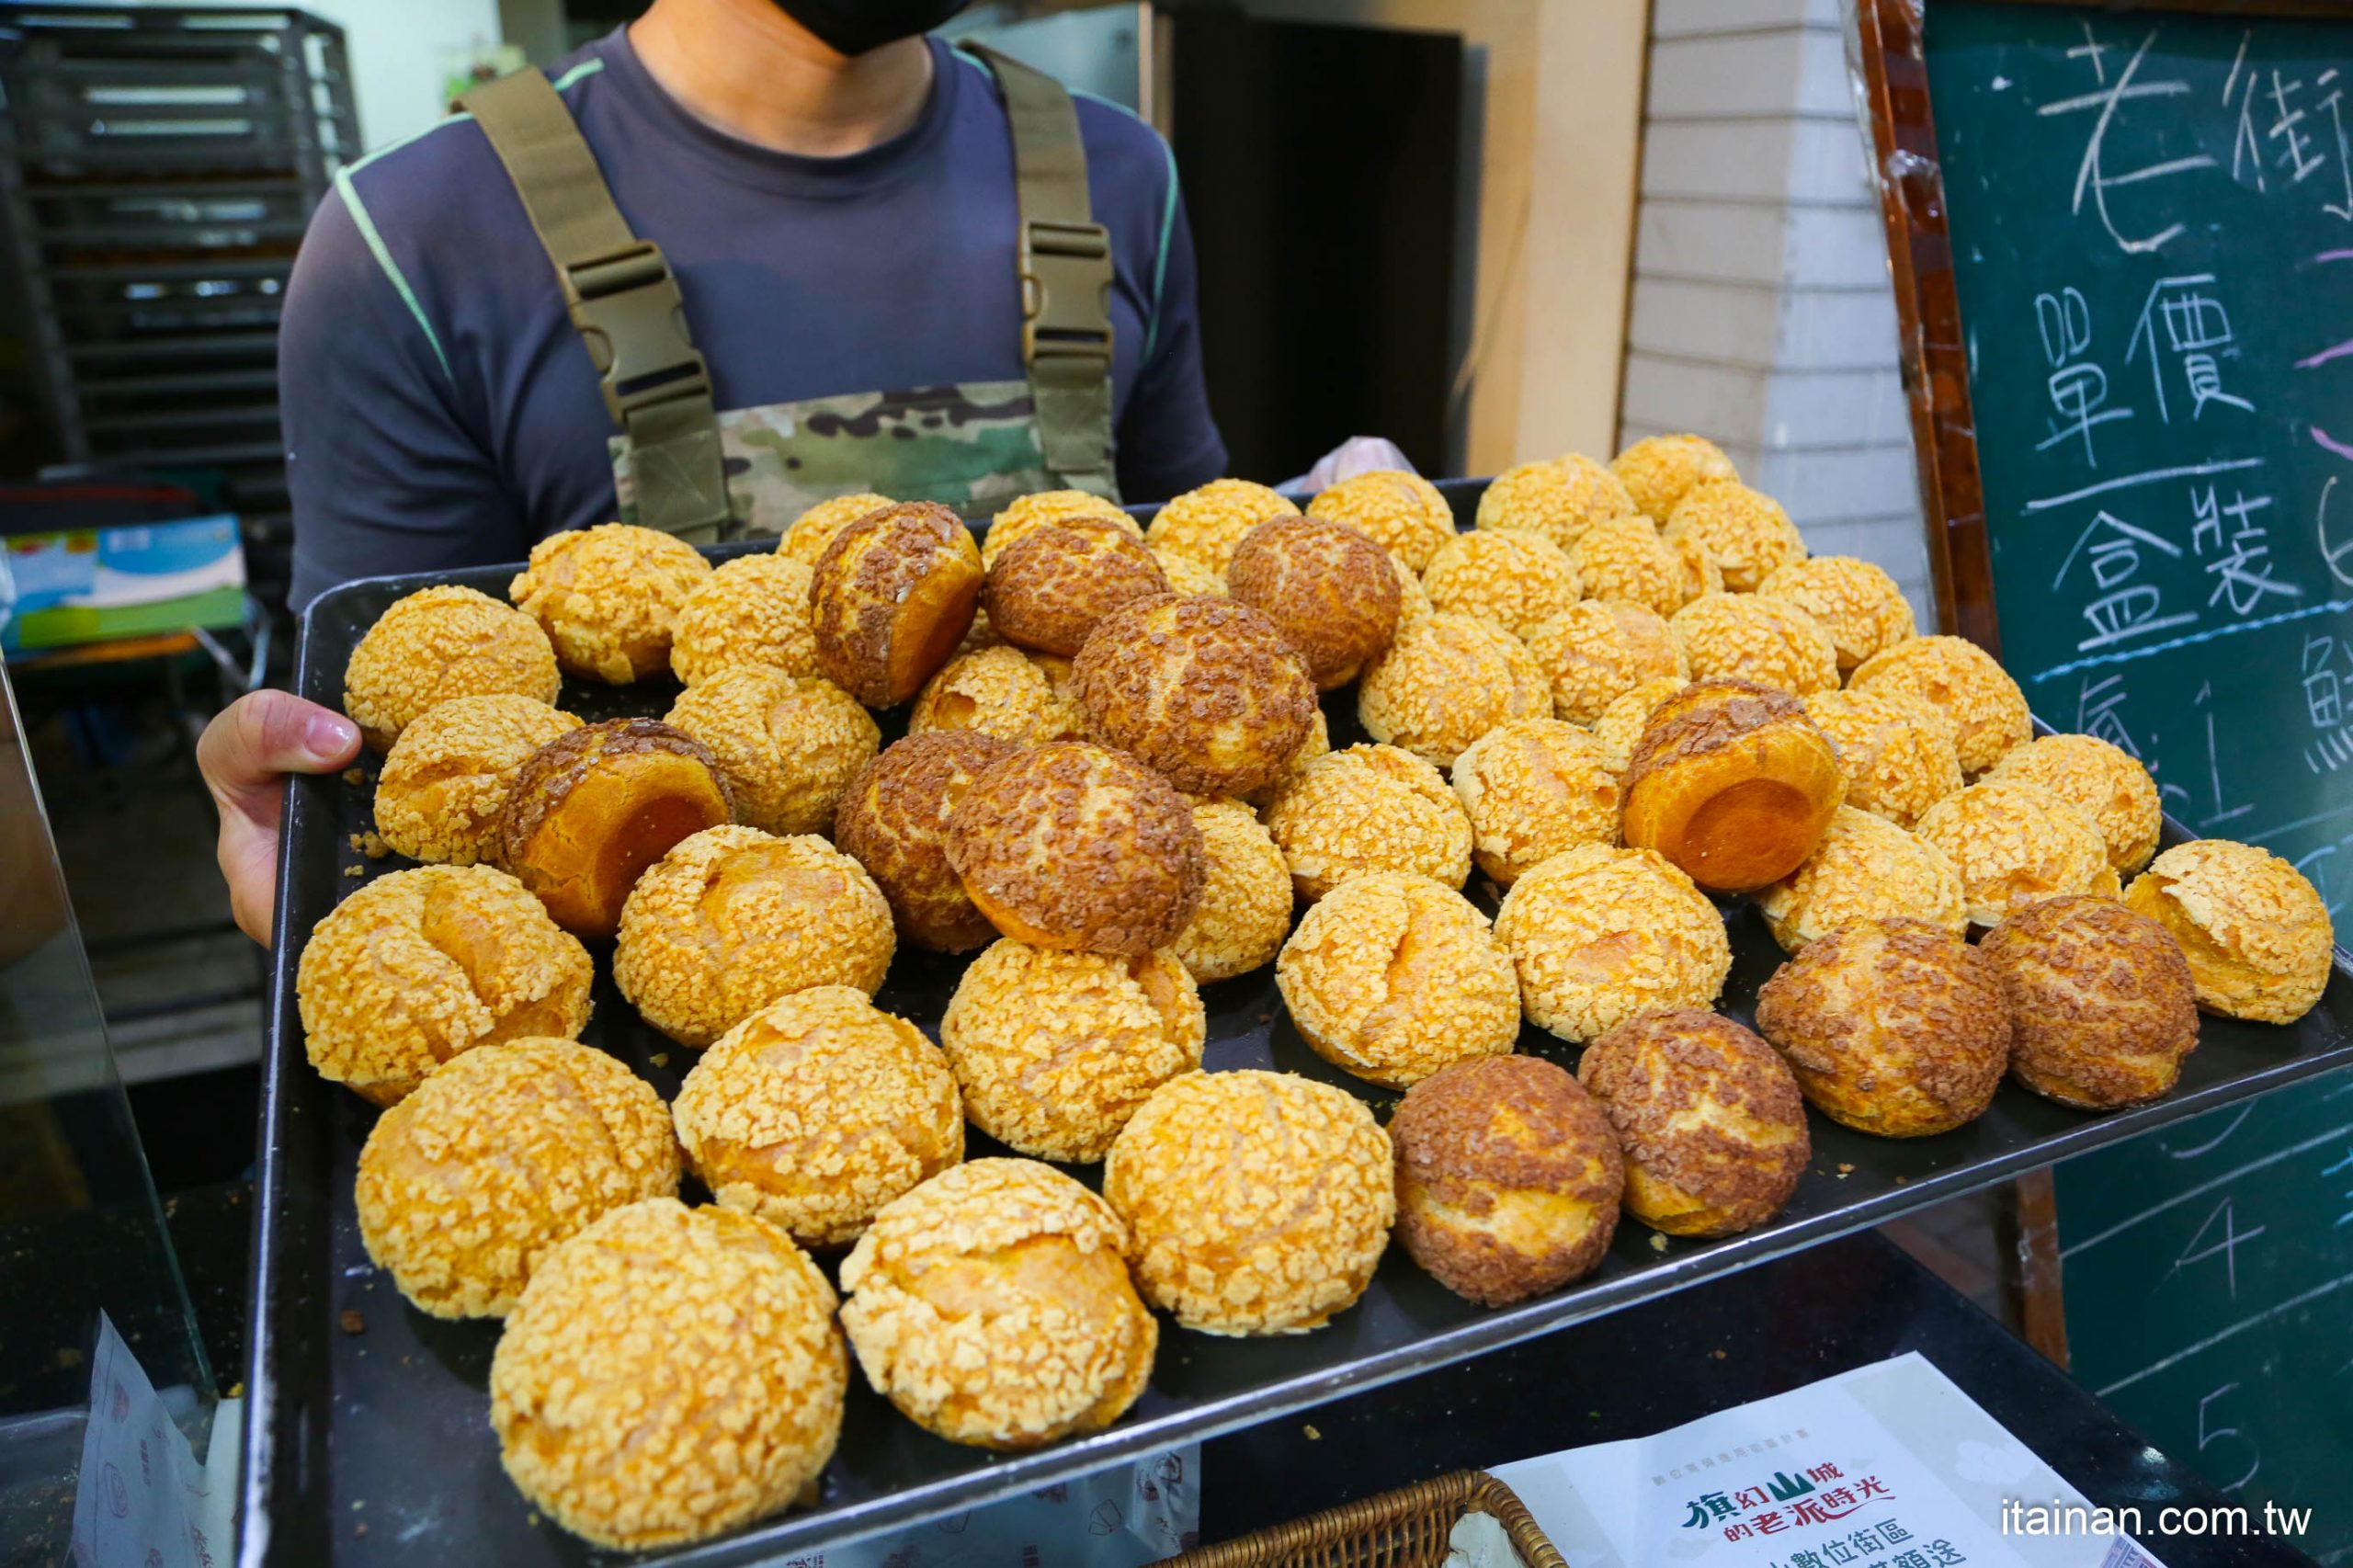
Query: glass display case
point(81, 1230)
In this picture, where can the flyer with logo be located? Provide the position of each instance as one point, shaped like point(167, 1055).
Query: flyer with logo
point(1888, 1466)
point(143, 1501)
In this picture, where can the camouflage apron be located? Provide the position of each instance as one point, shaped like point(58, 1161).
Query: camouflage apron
point(973, 446)
point(681, 466)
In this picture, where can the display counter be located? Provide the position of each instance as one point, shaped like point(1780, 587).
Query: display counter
point(347, 1381)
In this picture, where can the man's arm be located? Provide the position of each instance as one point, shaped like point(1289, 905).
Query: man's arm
point(1168, 442)
point(385, 475)
point(384, 478)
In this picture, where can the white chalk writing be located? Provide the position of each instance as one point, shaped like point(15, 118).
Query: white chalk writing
point(2197, 329)
point(2092, 176)
point(2077, 387)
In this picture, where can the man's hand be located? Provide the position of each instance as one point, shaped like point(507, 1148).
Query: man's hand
point(244, 756)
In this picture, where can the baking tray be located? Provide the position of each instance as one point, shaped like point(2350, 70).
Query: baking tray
point(368, 1435)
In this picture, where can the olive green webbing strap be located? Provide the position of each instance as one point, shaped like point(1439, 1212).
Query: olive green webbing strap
point(624, 300)
point(1065, 279)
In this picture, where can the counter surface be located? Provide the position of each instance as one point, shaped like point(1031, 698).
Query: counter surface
point(1744, 1337)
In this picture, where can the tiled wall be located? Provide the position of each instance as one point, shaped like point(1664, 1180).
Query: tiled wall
point(1762, 315)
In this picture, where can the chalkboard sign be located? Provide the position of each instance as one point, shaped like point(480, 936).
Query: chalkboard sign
point(2153, 240)
point(2124, 249)
point(2209, 1296)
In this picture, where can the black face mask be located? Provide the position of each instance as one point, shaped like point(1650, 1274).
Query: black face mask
point(855, 26)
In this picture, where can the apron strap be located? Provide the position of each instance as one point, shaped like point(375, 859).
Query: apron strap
point(624, 300)
point(1066, 260)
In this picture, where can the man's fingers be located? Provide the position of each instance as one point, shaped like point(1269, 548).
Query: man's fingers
point(248, 855)
point(245, 753)
point(265, 734)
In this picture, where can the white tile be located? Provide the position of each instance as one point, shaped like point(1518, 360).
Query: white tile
point(1741, 159)
point(1893, 424)
point(1899, 544)
point(1742, 73)
point(1831, 538)
point(1732, 322)
point(1694, 240)
point(1903, 550)
point(1820, 409)
point(1896, 545)
point(1838, 247)
point(1814, 409)
point(1846, 330)
point(1829, 163)
point(1824, 85)
point(1721, 402)
point(1682, 18)
point(1872, 481)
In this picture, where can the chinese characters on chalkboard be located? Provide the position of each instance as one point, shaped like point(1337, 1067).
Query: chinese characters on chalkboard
point(2153, 225)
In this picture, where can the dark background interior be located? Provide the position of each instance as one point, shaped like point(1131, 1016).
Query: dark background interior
point(1319, 166)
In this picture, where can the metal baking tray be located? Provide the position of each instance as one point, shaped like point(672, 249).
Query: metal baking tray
point(367, 1433)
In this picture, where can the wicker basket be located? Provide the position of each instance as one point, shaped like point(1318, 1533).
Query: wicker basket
point(1406, 1528)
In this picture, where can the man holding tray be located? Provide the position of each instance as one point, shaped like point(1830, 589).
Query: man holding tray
point(733, 259)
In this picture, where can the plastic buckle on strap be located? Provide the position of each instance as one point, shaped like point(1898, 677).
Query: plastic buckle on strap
point(1065, 269)
point(627, 308)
